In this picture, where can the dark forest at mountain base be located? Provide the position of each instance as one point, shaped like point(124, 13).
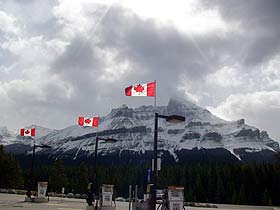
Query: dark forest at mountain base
point(129, 157)
point(232, 182)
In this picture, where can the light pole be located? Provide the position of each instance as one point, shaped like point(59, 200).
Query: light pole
point(93, 186)
point(170, 119)
point(32, 166)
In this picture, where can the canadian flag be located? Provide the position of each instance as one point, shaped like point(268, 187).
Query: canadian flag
point(87, 121)
point(27, 132)
point(141, 90)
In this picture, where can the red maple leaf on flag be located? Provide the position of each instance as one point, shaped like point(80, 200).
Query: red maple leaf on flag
point(87, 121)
point(27, 131)
point(139, 88)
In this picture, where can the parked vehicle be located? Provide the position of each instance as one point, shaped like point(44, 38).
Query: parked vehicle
point(3, 191)
point(70, 195)
point(120, 199)
point(83, 196)
point(77, 196)
point(11, 191)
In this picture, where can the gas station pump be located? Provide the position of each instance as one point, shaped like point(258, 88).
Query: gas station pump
point(107, 197)
point(105, 201)
point(175, 198)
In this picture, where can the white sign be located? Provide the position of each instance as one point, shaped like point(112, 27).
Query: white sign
point(42, 189)
point(176, 194)
point(158, 164)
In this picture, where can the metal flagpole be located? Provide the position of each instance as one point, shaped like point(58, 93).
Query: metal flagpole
point(31, 170)
point(154, 190)
point(94, 184)
point(155, 131)
point(95, 152)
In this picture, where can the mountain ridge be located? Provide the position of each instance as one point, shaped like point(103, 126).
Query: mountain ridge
point(133, 127)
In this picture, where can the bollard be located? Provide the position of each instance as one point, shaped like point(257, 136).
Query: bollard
point(130, 192)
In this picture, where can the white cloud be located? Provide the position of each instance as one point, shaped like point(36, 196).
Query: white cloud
point(261, 109)
point(33, 101)
point(35, 50)
point(114, 70)
point(228, 76)
point(270, 72)
point(71, 17)
point(8, 23)
point(84, 16)
point(21, 90)
point(80, 17)
point(6, 70)
point(188, 16)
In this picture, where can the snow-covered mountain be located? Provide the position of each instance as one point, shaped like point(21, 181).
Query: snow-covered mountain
point(134, 130)
point(6, 136)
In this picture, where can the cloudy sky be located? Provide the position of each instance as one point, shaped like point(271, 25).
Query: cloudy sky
point(60, 58)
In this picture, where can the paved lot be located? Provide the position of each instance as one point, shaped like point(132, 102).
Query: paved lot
point(15, 202)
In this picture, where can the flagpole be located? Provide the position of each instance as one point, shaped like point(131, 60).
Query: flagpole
point(95, 152)
point(94, 183)
point(155, 172)
point(93, 186)
point(31, 170)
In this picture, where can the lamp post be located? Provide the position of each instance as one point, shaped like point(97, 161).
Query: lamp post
point(93, 186)
point(32, 166)
point(170, 119)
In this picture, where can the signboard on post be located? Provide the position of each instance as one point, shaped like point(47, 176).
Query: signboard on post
point(42, 189)
point(158, 164)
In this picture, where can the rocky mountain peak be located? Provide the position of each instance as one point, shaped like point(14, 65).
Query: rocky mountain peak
point(122, 111)
point(264, 134)
point(191, 111)
point(180, 106)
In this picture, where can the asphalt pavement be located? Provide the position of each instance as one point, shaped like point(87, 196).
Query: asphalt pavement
point(16, 202)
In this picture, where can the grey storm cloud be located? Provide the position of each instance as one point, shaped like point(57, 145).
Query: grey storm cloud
point(160, 51)
point(153, 51)
point(260, 22)
point(79, 66)
point(79, 58)
point(35, 15)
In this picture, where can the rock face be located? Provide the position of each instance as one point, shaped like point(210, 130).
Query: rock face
point(134, 129)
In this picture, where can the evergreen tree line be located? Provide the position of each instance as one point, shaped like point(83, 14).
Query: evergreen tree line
point(11, 175)
point(253, 184)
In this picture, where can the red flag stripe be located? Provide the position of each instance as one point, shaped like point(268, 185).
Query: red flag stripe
point(128, 90)
point(33, 132)
point(95, 122)
point(81, 121)
point(151, 89)
point(22, 132)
